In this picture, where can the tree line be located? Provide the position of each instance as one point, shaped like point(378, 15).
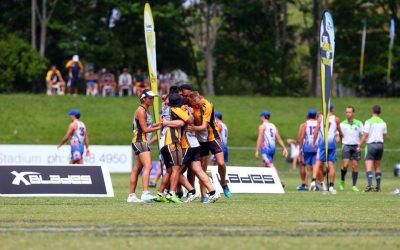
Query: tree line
point(227, 47)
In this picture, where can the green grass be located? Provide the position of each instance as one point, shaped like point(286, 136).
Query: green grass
point(296, 219)
point(300, 220)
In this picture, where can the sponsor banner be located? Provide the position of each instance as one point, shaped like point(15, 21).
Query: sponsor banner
point(117, 158)
point(55, 180)
point(250, 180)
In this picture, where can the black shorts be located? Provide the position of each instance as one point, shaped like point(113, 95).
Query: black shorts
point(172, 155)
point(74, 82)
point(190, 155)
point(140, 147)
point(214, 147)
point(374, 151)
point(350, 152)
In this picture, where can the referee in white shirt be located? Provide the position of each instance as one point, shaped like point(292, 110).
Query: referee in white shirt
point(374, 131)
point(352, 130)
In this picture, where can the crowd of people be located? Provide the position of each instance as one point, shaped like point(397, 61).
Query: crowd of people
point(103, 82)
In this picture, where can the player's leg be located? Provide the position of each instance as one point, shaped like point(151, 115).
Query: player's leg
point(378, 175)
point(137, 168)
point(369, 163)
point(354, 174)
point(203, 179)
point(343, 170)
point(145, 159)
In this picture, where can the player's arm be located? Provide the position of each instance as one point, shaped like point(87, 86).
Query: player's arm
point(173, 124)
point(261, 130)
point(281, 143)
point(338, 127)
point(153, 139)
point(300, 138)
point(87, 143)
point(60, 76)
point(316, 131)
point(70, 130)
point(48, 76)
point(364, 135)
point(141, 115)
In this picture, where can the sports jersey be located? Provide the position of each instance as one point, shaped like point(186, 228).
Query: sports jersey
point(78, 136)
point(208, 116)
point(269, 137)
point(351, 131)
point(332, 130)
point(375, 127)
point(309, 136)
point(74, 68)
point(170, 135)
point(138, 134)
point(51, 75)
point(189, 139)
point(224, 134)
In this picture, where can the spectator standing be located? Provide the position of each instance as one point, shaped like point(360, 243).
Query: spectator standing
point(74, 67)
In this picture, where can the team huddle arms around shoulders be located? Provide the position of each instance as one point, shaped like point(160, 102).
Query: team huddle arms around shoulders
point(188, 133)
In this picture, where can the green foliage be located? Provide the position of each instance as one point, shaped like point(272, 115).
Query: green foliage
point(21, 66)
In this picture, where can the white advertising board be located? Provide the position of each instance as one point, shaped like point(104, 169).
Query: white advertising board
point(250, 180)
point(118, 159)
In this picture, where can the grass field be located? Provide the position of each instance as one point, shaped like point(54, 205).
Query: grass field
point(300, 220)
point(295, 220)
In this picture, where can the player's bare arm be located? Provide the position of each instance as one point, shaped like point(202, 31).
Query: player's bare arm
point(261, 130)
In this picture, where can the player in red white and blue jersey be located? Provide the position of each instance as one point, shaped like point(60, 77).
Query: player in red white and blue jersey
point(77, 136)
point(308, 154)
point(267, 135)
point(333, 129)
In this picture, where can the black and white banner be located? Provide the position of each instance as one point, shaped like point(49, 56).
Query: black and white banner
point(55, 180)
point(251, 180)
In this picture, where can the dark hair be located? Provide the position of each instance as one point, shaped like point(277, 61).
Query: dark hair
point(174, 89)
point(78, 116)
point(376, 109)
point(311, 116)
point(186, 87)
point(351, 107)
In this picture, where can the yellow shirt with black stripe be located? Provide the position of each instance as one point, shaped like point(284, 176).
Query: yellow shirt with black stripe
point(208, 116)
point(170, 135)
point(51, 73)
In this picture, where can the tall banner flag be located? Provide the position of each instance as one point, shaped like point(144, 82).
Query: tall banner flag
point(150, 37)
point(391, 34)
point(364, 35)
point(327, 52)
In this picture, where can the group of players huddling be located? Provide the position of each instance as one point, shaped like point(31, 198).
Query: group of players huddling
point(188, 134)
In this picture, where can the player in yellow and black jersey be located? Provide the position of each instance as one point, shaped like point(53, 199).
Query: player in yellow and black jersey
point(208, 136)
point(142, 125)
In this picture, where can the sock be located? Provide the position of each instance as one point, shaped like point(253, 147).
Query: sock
point(343, 173)
point(378, 180)
point(330, 184)
point(369, 178)
point(224, 186)
point(179, 194)
point(193, 191)
point(211, 193)
point(314, 179)
point(354, 175)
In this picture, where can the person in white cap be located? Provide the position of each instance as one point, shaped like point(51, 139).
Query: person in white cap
point(74, 67)
point(142, 125)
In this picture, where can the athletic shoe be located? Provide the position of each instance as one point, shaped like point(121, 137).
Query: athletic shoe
point(313, 186)
point(368, 189)
point(161, 198)
point(227, 192)
point(332, 190)
point(174, 198)
point(323, 186)
point(396, 191)
point(147, 197)
point(213, 198)
point(377, 189)
point(355, 189)
point(302, 187)
point(132, 198)
point(341, 185)
point(204, 200)
point(190, 197)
